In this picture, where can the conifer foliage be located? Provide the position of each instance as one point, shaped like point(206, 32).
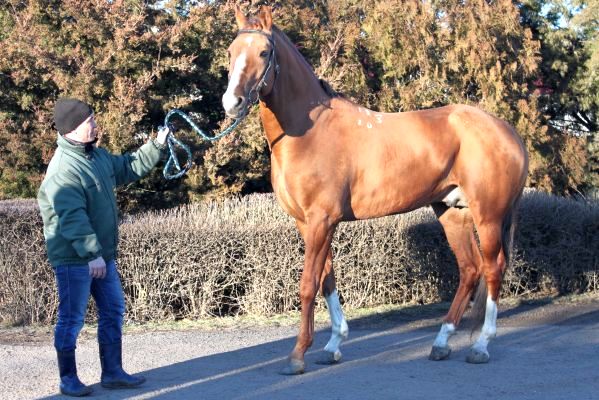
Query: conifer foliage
point(134, 60)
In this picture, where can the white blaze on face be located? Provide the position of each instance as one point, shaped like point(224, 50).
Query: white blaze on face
point(230, 98)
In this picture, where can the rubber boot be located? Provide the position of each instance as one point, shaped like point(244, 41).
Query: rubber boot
point(113, 376)
point(70, 384)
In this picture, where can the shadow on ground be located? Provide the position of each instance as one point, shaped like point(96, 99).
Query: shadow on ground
point(555, 355)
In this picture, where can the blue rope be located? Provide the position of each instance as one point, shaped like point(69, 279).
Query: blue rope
point(173, 143)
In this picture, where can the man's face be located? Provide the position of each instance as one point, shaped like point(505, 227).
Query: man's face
point(85, 132)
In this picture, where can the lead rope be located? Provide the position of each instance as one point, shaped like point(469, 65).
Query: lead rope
point(172, 142)
point(172, 164)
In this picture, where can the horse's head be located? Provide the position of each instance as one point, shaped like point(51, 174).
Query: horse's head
point(252, 68)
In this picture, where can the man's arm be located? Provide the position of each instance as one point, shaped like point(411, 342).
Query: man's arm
point(133, 166)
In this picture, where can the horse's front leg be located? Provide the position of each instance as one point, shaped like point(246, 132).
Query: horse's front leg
point(339, 328)
point(318, 234)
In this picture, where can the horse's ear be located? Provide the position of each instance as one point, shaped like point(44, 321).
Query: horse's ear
point(265, 17)
point(240, 17)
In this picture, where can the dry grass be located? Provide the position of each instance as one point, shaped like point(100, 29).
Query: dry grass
point(244, 257)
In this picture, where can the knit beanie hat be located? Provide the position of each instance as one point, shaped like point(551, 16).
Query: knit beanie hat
point(69, 114)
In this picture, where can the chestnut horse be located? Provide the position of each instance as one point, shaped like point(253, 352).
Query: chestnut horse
point(334, 161)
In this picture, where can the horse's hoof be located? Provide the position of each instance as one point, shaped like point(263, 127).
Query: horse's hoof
point(329, 358)
point(293, 367)
point(439, 353)
point(477, 357)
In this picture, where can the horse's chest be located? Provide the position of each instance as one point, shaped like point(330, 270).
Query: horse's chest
point(284, 196)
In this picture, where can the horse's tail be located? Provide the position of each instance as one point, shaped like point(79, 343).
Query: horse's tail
point(508, 228)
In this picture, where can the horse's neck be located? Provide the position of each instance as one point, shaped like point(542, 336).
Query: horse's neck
point(295, 98)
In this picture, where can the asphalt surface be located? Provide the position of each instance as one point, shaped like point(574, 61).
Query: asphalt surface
point(543, 351)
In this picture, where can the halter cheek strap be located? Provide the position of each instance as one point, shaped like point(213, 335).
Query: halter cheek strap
point(271, 59)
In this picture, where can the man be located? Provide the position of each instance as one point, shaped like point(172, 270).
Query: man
point(79, 210)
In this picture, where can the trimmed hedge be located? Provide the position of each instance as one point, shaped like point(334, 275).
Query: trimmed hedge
point(244, 256)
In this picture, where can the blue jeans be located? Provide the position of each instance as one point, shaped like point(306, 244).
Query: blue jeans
point(74, 287)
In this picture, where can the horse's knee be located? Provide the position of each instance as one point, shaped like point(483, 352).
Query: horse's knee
point(469, 271)
point(308, 292)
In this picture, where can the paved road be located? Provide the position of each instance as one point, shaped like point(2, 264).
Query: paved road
point(543, 351)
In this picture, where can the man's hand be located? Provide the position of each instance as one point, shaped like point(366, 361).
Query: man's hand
point(162, 135)
point(97, 268)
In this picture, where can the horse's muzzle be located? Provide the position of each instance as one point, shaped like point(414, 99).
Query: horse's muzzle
point(235, 106)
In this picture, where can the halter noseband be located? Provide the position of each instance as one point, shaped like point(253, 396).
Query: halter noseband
point(271, 58)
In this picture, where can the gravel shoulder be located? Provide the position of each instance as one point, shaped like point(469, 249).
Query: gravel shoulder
point(545, 349)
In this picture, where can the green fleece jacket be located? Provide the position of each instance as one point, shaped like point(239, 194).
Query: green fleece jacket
point(77, 199)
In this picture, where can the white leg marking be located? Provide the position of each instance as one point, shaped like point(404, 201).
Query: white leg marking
point(447, 330)
point(229, 98)
point(339, 328)
point(489, 329)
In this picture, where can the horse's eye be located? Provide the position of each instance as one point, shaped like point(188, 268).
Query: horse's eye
point(264, 54)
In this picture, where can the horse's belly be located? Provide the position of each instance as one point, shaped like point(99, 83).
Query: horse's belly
point(399, 175)
point(391, 197)
point(377, 207)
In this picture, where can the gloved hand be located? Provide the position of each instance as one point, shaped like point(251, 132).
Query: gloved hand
point(162, 135)
point(97, 268)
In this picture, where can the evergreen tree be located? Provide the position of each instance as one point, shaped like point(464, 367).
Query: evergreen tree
point(532, 63)
point(566, 85)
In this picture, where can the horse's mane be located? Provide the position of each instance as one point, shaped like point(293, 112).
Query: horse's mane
point(326, 86)
point(254, 23)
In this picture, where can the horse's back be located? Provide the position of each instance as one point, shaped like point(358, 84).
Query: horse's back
point(401, 161)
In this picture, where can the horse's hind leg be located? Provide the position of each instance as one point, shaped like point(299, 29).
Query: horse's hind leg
point(339, 328)
point(494, 261)
point(459, 230)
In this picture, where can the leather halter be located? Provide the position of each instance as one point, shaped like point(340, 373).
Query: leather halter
point(271, 59)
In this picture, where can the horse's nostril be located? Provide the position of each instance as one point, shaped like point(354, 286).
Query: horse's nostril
point(233, 103)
